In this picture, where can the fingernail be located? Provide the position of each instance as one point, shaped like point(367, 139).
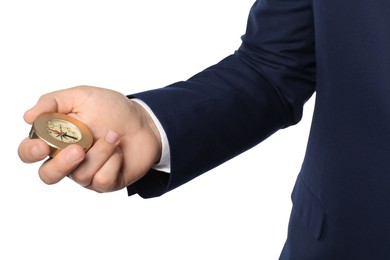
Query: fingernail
point(73, 155)
point(112, 137)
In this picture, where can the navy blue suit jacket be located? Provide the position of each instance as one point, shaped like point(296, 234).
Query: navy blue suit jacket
point(341, 50)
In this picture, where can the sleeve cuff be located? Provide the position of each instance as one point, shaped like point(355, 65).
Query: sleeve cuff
point(164, 165)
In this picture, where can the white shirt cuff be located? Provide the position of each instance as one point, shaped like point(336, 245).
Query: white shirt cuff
point(164, 164)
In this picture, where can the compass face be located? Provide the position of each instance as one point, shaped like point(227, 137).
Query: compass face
point(63, 131)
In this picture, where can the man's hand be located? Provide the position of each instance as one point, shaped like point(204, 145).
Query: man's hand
point(127, 142)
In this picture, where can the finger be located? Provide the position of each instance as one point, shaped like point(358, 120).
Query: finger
point(33, 150)
point(46, 103)
point(61, 101)
point(108, 177)
point(55, 169)
point(96, 157)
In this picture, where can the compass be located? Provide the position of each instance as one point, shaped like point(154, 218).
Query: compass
point(60, 130)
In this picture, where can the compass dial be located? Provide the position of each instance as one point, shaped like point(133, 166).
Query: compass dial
point(63, 131)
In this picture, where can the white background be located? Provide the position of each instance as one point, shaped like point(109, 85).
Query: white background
point(239, 210)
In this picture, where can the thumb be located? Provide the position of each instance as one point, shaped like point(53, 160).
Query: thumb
point(61, 101)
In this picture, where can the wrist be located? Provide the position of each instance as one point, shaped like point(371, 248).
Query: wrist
point(149, 125)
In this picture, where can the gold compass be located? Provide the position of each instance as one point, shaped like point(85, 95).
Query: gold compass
point(60, 130)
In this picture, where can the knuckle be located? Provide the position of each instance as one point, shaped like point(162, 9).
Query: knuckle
point(103, 183)
point(51, 173)
point(48, 174)
point(103, 150)
point(45, 178)
point(81, 179)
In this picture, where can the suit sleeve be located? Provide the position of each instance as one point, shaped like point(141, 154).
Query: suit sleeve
point(240, 101)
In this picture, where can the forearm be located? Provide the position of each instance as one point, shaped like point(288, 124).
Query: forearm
point(215, 115)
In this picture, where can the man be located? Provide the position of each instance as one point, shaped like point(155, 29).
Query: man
point(163, 138)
